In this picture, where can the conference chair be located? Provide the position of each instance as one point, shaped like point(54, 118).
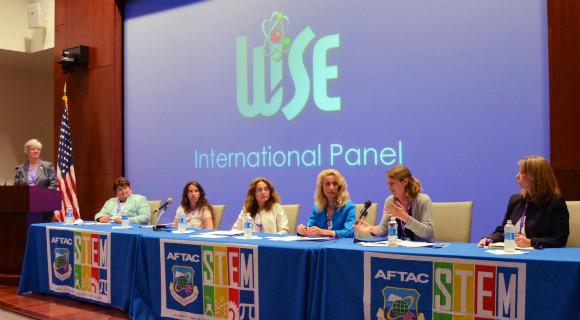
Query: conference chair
point(371, 218)
point(291, 211)
point(218, 212)
point(452, 221)
point(154, 205)
point(574, 210)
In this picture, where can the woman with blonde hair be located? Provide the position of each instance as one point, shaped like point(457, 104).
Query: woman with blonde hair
point(263, 204)
point(411, 207)
point(333, 214)
point(539, 213)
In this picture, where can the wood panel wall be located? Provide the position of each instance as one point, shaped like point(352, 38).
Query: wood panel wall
point(96, 95)
point(564, 60)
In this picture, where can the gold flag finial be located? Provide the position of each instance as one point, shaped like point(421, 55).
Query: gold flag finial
point(65, 88)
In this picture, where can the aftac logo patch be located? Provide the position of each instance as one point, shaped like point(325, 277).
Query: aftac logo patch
point(182, 288)
point(61, 264)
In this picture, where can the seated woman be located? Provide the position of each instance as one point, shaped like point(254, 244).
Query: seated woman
point(198, 211)
point(136, 206)
point(412, 208)
point(263, 204)
point(333, 214)
point(539, 213)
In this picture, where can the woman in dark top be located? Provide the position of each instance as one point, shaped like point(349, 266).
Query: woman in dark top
point(539, 213)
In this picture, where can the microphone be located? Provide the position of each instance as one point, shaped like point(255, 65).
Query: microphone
point(363, 212)
point(164, 205)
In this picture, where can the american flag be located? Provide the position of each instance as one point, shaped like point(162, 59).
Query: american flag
point(65, 171)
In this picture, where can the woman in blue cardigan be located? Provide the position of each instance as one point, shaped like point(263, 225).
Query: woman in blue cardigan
point(333, 214)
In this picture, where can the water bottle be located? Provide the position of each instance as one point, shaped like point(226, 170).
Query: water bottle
point(393, 238)
point(69, 215)
point(509, 234)
point(181, 220)
point(248, 226)
point(124, 219)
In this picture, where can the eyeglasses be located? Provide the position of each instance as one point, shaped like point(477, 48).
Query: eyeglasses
point(265, 189)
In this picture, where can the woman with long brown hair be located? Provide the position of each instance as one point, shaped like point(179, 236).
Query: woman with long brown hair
point(198, 211)
point(263, 205)
point(539, 213)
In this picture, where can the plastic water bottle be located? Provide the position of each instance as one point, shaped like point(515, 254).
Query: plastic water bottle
point(248, 226)
point(393, 238)
point(181, 221)
point(69, 215)
point(124, 219)
point(509, 234)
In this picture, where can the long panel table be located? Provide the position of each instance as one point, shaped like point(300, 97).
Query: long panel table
point(357, 282)
point(155, 275)
point(200, 278)
point(94, 263)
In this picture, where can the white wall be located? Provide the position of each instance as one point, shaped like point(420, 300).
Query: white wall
point(14, 32)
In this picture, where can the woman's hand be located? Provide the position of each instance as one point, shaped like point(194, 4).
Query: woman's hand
point(301, 229)
point(315, 231)
point(118, 219)
point(363, 226)
point(104, 219)
point(395, 209)
point(522, 241)
point(484, 242)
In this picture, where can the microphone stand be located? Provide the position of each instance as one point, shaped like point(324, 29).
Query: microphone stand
point(160, 227)
point(363, 215)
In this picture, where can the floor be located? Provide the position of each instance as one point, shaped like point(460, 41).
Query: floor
point(48, 307)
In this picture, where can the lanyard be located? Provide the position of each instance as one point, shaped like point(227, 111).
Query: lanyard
point(409, 212)
point(328, 221)
point(523, 218)
point(32, 174)
point(191, 216)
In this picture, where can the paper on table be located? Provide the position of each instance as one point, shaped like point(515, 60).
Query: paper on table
point(186, 231)
point(205, 235)
point(225, 232)
point(254, 237)
point(502, 252)
point(500, 245)
point(298, 238)
point(120, 227)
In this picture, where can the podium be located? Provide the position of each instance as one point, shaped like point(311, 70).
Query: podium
point(20, 206)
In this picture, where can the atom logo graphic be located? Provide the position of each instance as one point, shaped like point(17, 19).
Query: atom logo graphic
point(275, 29)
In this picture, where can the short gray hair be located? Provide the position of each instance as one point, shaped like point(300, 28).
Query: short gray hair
point(32, 143)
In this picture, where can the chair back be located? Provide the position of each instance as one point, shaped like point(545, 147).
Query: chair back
point(452, 221)
point(371, 218)
point(291, 211)
point(218, 212)
point(574, 210)
point(154, 205)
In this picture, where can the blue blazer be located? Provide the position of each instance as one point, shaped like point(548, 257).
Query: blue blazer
point(45, 175)
point(342, 220)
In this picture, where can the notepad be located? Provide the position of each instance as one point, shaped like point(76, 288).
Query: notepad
point(500, 245)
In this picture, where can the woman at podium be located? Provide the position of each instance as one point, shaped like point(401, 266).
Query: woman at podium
point(35, 172)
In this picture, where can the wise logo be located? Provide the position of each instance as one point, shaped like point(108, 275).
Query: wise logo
point(409, 288)
point(80, 263)
point(207, 281)
point(278, 49)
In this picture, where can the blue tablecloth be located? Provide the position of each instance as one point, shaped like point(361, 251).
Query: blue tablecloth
point(93, 263)
point(356, 282)
point(185, 277)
